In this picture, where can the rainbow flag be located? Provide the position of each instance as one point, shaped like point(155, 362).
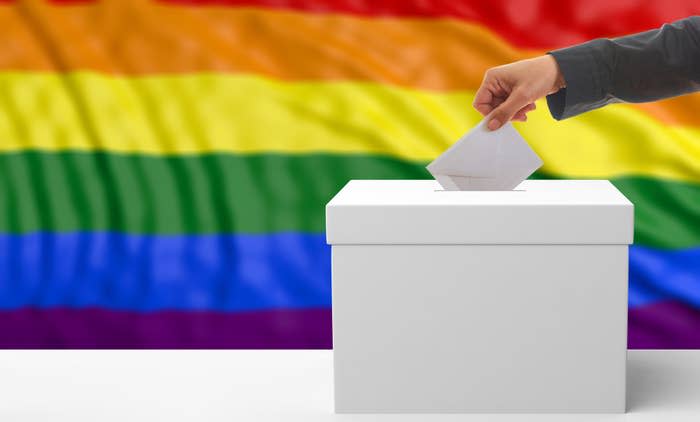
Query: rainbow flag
point(164, 165)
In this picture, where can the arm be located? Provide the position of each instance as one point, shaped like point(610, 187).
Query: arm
point(643, 67)
point(638, 68)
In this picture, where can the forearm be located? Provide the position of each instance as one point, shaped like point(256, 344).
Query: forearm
point(643, 67)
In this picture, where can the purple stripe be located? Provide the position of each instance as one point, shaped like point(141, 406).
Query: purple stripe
point(664, 325)
point(106, 329)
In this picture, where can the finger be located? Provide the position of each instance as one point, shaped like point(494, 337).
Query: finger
point(521, 115)
point(504, 112)
point(498, 100)
point(483, 102)
point(484, 97)
point(484, 109)
point(529, 107)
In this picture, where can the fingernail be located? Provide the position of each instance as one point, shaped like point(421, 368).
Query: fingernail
point(494, 124)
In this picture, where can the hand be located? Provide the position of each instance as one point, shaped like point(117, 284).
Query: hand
point(509, 92)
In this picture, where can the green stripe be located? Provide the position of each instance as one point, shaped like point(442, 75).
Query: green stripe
point(666, 213)
point(71, 191)
point(82, 191)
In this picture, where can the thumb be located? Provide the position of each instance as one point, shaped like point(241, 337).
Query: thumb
point(506, 110)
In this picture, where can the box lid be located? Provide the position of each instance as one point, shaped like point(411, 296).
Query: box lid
point(536, 212)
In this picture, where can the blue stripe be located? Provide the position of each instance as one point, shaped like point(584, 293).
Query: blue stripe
point(232, 272)
point(146, 273)
point(658, 275)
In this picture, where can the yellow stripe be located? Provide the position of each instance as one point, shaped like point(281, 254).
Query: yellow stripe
point(245, 114)
point(616, 140)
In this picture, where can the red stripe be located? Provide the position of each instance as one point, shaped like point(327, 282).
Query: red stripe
point(530, 24)
point(105, 329)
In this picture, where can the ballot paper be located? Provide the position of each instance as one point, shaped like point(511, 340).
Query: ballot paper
point(486, 160)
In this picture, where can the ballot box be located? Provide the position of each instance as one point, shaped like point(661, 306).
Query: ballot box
point(491, 301)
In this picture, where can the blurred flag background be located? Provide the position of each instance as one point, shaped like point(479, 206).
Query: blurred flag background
point(164, 165)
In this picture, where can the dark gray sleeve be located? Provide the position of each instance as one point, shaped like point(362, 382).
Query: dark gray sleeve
point(638, 68)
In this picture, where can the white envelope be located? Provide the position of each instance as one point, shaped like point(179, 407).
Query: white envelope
point(486, 160)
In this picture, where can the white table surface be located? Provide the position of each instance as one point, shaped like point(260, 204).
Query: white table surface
point(268, 386)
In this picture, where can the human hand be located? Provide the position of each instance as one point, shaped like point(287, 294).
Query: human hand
point(509, 92)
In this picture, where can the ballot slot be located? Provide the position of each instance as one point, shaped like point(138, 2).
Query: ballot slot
point(462, 192)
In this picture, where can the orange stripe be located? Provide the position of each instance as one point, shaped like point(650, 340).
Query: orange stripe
point(21, 49)
point(675, 111)
point(140, 37)
point(146, 37)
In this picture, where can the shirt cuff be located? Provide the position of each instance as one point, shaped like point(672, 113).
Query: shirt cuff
point(584, 78)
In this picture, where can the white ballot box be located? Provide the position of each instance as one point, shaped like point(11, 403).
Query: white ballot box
point(495, 301)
